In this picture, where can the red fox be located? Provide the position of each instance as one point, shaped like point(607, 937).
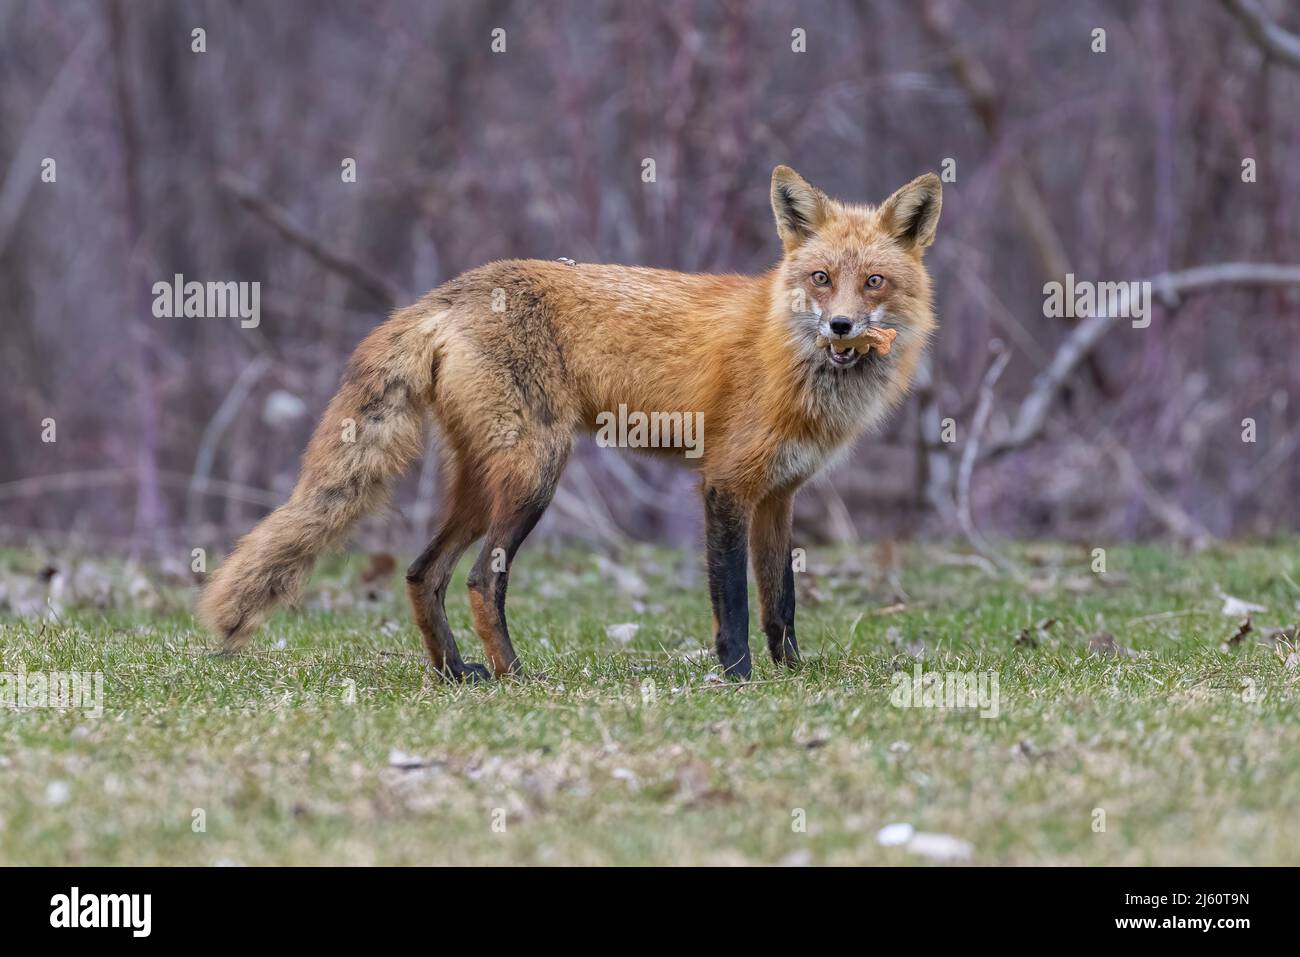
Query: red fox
point(514, 358)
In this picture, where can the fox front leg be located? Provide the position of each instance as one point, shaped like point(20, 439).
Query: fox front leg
point(725, 520)
point(769, 541)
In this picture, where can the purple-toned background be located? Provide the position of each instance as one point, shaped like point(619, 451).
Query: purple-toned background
point(225, 166)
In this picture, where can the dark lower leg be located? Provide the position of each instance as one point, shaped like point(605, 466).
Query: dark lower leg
point(725, 529)
point(490, 577)
point(426, 584)
point(769, 541)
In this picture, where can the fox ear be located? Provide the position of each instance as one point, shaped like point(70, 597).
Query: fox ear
point(799, 206)
point(911, 215)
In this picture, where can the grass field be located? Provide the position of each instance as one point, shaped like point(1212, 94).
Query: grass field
point(328, 742)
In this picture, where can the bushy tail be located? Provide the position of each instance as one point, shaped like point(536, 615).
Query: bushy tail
point(372, 430)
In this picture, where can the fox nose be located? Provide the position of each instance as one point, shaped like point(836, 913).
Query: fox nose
point(841, 326)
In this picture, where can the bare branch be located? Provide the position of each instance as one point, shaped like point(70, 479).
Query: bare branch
point(589, 505)
point(279, 220)
point(150, 506)
point(982, 96)
point(970, 454)
point(1266, 32)
point(932, 453)
point(837, 513)
point(17, 182)
point(1032, 414)
point(216, 428)
point(98, 478)
point(1170, 285)
point(1182, 525)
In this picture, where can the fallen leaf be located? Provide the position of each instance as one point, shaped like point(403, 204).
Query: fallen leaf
point(408, 762)
point(628, 776)
point(817, 739)
point(56, 793)
point(940, 847)
point(1242, 631)
point(694, 784)
point(622, 633)
point(1236, 607)
point(1105, 645)
point(892, 835)
point(1029, 638)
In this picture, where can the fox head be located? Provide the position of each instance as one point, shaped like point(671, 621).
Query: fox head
point(848, 267)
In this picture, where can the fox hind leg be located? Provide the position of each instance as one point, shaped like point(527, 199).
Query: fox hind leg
point(520, 496)
point(464, 519)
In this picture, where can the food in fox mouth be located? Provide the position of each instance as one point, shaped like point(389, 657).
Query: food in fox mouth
point(873, 338)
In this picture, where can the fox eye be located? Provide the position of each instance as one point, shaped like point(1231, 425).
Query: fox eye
point(820, 278)
point(875, 281)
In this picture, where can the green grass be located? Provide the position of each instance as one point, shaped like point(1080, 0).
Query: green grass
point(624, 754)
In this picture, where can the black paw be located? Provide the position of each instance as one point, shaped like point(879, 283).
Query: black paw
point(473, 673)
point(737, 667)
point(783, 648)
point(469, 672)
point(787, 655)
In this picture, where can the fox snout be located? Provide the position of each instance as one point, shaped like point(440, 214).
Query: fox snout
point(850, 327)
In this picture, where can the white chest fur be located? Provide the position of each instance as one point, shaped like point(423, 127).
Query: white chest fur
point(796, 461)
